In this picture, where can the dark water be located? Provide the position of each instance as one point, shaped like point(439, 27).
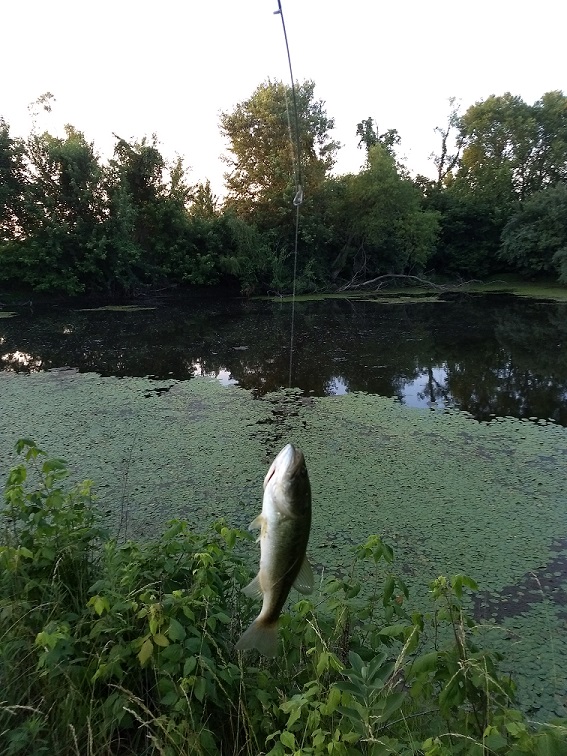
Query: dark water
point(487, 354)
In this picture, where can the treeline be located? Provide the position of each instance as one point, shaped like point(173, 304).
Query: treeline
point(73, 224)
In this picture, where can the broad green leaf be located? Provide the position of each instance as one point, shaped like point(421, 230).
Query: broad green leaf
point(100, 604)
point(350, 687)
point(189, 666)
point(176, 631)
point(356, 662)
point(293, 717)
point(288, 739)
point(200, 688)
point(393, 702)
point(389, 586)
point(160, 640)
point(516, 728)
point(145, 652)
point(392, 631)
point(425, 663)
point(323, 663)
point(333, 699)
point(388, 552)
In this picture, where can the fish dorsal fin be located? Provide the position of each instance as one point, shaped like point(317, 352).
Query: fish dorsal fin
point(253, 589)
point(304, 580)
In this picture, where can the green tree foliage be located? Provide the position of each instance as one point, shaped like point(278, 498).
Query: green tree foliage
point(470, 229)
point(369, 136)
point(61, 238)
point(535, 239)
point(380, 222)
point(137, 191)
point(13, 183)
point(510, 150)
point(70, 223)
point(261, 181)
point(497, 138)
point(204, 204)
point(73, 225)
point(448, 157)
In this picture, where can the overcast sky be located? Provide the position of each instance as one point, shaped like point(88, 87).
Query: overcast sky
point(170, 67)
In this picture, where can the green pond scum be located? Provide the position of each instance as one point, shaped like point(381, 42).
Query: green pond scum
point(117, 308)
point(434, 293)
point(452, 495)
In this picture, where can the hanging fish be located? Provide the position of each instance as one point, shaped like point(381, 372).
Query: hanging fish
point(284, 531)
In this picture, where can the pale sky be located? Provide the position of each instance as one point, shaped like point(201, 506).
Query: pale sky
point(172, 66)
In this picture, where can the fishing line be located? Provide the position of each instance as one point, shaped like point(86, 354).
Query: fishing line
point(298, 199)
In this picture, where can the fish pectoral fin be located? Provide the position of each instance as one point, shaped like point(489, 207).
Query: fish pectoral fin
point(253, 589)
point(256, 523)
point(304, 581)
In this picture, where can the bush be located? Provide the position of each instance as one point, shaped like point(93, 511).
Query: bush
point(128, 648)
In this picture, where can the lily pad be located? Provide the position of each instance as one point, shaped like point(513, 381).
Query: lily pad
point(117, 308)
point(452, 494)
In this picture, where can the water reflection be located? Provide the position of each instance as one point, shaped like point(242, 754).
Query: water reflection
point(490, 355)
point(428, 389)
point(336, 386)
point(223, 375)
point(15, 361)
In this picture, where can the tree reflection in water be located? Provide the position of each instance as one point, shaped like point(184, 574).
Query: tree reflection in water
point(489, 355)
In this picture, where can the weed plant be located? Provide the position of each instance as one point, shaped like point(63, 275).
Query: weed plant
point(110, 648)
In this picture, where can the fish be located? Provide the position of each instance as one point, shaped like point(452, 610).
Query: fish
point(285, 523)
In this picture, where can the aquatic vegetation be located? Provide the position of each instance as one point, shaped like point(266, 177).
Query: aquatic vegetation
point(551, 291)
point(387, 296)
point(422, 299)
point(116, 308)
point(111, 647)
point(399, 295)
point(452, 494)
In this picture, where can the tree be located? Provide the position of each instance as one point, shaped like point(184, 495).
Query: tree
point(369, 136)
point(149, 222)
point(470, 229)
point(204, 203)
point(13, 183)
point(479, 197)
point(60, 241)
point(511, 150)
point(446, 161)
point(534, 240)
point(261, 181)
point(380, 225)
point(548, 158)
point(516, 147)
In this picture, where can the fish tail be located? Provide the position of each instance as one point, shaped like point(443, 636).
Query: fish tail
point(262, 636)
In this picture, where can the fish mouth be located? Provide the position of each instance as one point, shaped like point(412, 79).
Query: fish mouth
point(286, 464)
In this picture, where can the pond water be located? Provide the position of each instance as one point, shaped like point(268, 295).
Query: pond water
point(486, 354)
point(452, 495)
